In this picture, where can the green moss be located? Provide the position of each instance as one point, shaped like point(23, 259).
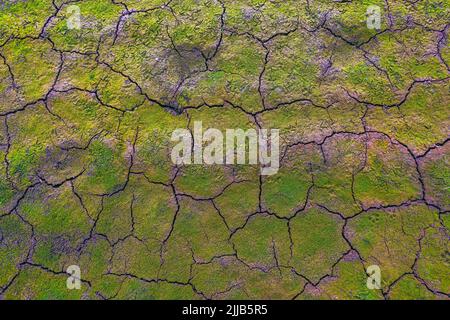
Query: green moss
point(31, 138)
point(352, 20)
point(234, 206)
point(269, 242)
point(409, 288)
point(6, 193)
point(369, 83)
point(102, 157)
point(437, 177)
point(34, 65)
point(84, 183)
point(15, 242)
point(202, 228)
point(23, 18)
point(435, 259)
point(203, 181)
point(96, 17)
point(45, 286)
point(420, 121)
point(349, 282)
point(317, 243)
point(389, 238)
point(286, 191)
point(303, 75)
point(129, 259)
point(386, 178)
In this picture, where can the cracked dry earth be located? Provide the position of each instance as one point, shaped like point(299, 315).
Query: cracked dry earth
point(86, 117)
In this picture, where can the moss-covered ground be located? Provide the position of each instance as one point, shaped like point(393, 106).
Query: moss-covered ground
point(86, 178)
